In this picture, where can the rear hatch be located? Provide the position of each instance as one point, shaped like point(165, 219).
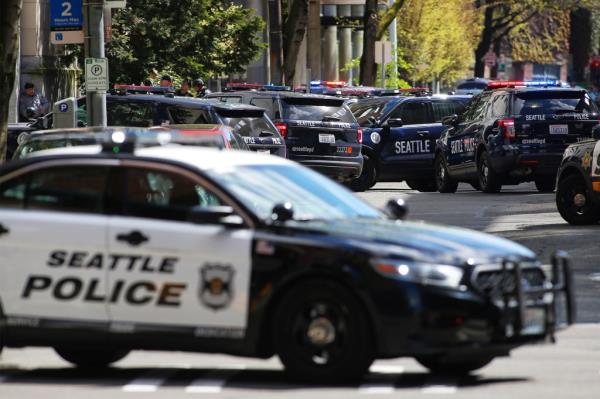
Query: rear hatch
point(319, 126)
point(256, 129)
point(552, 119)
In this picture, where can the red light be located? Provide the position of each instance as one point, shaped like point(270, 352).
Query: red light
point(282, 127)
point(505, 83)
point(335, 83)
point(507, 127)
point(360, 136)
point(530, 162)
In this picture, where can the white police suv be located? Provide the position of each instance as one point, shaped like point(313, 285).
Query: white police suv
point(111, 248)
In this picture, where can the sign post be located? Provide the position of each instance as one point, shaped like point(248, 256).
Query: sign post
point(94, 49)
point(383, 55)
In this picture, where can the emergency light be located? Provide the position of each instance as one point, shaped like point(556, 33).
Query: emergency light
point(497, 84)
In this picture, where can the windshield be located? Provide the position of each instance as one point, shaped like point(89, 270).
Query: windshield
point(251, 126)
point(472, 86)
point(551, 102)
point(311, 111)
point(313, 196)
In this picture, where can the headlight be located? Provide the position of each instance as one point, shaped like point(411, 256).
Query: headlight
point(420, 272)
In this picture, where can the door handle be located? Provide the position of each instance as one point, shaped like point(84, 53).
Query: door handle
point(423, 133)
point(134, 238)
point(3, 230)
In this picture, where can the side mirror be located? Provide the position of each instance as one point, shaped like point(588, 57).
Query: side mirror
point(394, 122)
point(282, 212)
point(396, 209)
point(223, 215)
point(450, 120)
point(596, 132)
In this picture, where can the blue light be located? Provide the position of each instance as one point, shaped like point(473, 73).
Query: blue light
point(535, 83)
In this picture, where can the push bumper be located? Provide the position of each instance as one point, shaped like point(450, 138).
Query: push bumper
point(454, 323)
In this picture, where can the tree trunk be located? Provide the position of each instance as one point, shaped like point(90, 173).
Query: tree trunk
point(9, 51)
point(485, 42)
point(293, 34)
point(368, 68)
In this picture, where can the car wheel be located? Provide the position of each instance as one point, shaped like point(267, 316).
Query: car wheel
point(367, 178)
point(443, 181)
point(545, 184)
point(91, 357)
point(424, 186)
point(454, 365)
point(489, 181)
point(322, 333)
point(574, 201)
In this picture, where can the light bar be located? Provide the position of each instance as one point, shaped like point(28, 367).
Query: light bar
point(276, 88)
point(497, 84)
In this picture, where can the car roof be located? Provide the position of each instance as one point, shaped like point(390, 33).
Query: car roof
point(199, 157)
point(267, 93)
point(191, 101)
point(95, 129)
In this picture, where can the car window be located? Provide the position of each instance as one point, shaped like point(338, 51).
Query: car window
point(68, 189)
point(251, 126)
point(369, 111)
point(412, 113)
point(264, 103)
point(12, 193)
point(231, 100)
point(480, 108)
point(129, 113)
point(552, 101)
point(163, 195)
point(445, 108)
point(308, 109)
point(499, 105)
point(185, 115)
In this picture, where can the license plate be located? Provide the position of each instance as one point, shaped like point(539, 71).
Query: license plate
point(534, 321)
point(559, 129)
point(263, 151)
point(327, 138)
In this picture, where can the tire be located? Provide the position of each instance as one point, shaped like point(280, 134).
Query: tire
point(567, 191)
point(91, 357)
point(424, 186)
point(341, 349)
point(545, 184)
point(452, 365)
point(367, 178)
point(443, 181)
point(489, 181)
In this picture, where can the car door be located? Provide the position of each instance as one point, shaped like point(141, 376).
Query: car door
point(53, 243)
point(174, 273)
point(410, 144)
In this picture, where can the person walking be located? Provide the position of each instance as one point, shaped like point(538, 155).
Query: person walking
point(31, 103)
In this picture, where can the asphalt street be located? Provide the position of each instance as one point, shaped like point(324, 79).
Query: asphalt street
point(568, 369)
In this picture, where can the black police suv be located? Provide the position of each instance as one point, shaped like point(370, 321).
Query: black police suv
point(511, 133)
point(399, 138)
point(139, 110)
point(578, 182)
point(320, 131)
point(185, 248)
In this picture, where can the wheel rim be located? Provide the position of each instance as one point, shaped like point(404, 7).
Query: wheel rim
point(441, 172)
point(320, 333)
point(575, 198)
point(484, 172)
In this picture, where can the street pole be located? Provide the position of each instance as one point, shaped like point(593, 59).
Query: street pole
point(93, 27)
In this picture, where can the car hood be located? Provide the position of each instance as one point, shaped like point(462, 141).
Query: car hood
point(418, 240)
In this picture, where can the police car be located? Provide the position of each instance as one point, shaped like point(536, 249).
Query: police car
point(112, 248)
point(511, 133)
point(399, 138)
point(578, 182)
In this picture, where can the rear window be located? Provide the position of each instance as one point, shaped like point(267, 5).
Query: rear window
point(249, 126)
point(316, 110)
point(472, 86)
point(553, 102)
point(189, 116)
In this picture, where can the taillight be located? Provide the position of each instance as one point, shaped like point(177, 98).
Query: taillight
point(507, 127)
point(360, 136)
point(282, 127)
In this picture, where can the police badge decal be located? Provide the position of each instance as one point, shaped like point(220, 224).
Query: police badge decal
point(216, 285)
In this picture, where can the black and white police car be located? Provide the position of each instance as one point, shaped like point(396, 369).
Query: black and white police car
point(112, 248)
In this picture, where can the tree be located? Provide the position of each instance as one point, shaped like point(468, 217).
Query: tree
point(192, 38)
point(294, 29)
point(9, 50)
point(368, 69)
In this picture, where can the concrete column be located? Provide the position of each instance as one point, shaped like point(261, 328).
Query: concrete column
point(357, 40)
point(345, 42)
point(314, 39)
point(41, 62)
point(259, 71)
point(330, 46)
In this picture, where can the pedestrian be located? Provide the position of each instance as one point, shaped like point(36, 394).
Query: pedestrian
point(31, 103)
point(166, 81)
point(201, 91)
point(184, 90)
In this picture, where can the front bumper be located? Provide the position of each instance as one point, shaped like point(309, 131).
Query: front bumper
point(439, 321)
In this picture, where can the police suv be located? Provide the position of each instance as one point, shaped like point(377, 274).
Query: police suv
point(513, 132)
point(399, 138)
point(578, 182)
point(112, 248)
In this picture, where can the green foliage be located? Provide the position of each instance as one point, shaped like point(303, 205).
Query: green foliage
point(186, 38)
point(436, 39)
point(543, 39)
